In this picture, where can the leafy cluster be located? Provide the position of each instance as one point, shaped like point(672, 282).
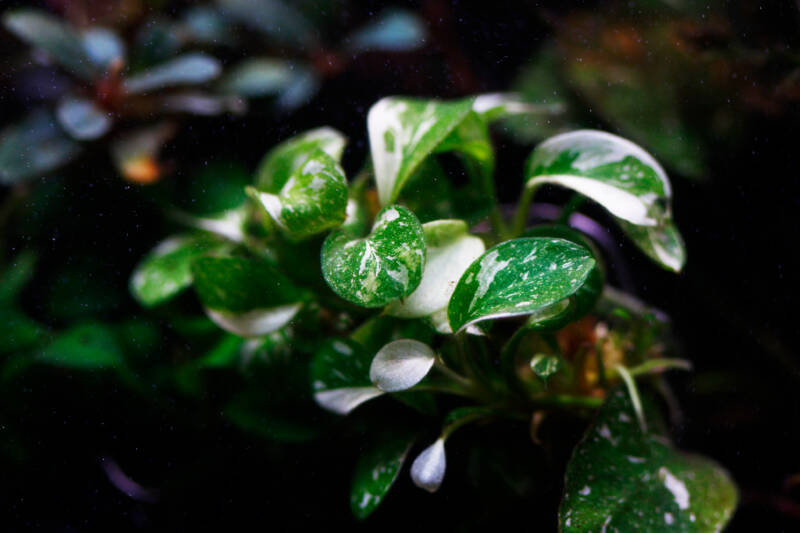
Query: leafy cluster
point(129, 86)
point(400, 284)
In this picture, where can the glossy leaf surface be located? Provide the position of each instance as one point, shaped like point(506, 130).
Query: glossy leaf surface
point(610, 170)
point(403, 132)
point(401, 364)
point(450, 250)
point(340, 376)
point(518, 277)
point(622, 479)
point(245, 296)
point(167, 270)
point(663, 243)
point(378, 468)
point(283, 160)
point(312, 200)
point(385, 265)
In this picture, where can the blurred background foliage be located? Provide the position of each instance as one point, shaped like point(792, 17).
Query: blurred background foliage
point(123, 118)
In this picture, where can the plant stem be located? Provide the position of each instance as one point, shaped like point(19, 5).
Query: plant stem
point(652, 366)
point(520, 219)
point(452, 374)
point(567, 401)
point(444, 389)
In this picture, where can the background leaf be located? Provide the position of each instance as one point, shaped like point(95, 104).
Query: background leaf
point(189, 69)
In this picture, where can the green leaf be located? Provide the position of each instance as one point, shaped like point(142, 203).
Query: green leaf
point(18, 332)
point(403, 132)
point(493, 106)
point(312, 200)
point(282, 161)
point(385, 265)
point(622, 479)
point(82, 119)
point(518, 277)
point(246, 297)
point(663, 243)
point(47, 32)
point(167, 269)
point(33, 147)
point(340, 376)
point(610, 170)
point(545, 366)
point(582, 302)
point(87, 346)
point(377, 469)
point(394, 30)
point(450, 250)
point(189, 69)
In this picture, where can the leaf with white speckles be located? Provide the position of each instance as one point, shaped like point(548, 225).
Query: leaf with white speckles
point(405, 131)
point(385, 265)
point(312, 200)
point(340, 376)
point(244, 296)
point(450, 250)
point(518, 277)
point(612, 171)
point(377, 469)
point(167, 270)
point(284, 159)
point(621, 479)
point(663, 243)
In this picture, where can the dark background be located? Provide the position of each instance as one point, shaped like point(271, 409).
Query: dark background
point(733, 312)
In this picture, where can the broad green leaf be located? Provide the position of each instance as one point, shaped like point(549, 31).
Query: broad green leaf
point(87, 346)
point(103, 46)
point(284, 159)
point(340, 376)
point(59, 40)
point(377, 469)
point(385, 265)
point(403, 132)
point(518, 277)
point(622, 479)
point(33, 147)
point(189, 69)
point(492, 106)
point(167, 270)
point(427, 471)
point(610, 170)
point(246, 297)
point(470, 139)
point(556, 316)
point(217, 188)
point(82, 119)
point(279, 20)
point(258, 77)
point(663, 243)
point(450, 250)
point(394, 30)
point(312, 200)
point(401, 364)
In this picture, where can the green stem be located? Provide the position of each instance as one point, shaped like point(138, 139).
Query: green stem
point(572, 205)
point(520, 220)
point(567, 401)
point(656, 366)
point(633, 392)
point(444, 388)
point(452, 374)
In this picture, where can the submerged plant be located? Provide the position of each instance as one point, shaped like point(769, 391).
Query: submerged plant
point(399, 284)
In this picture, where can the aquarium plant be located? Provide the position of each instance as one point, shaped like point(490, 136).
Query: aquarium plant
point(408, 286)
